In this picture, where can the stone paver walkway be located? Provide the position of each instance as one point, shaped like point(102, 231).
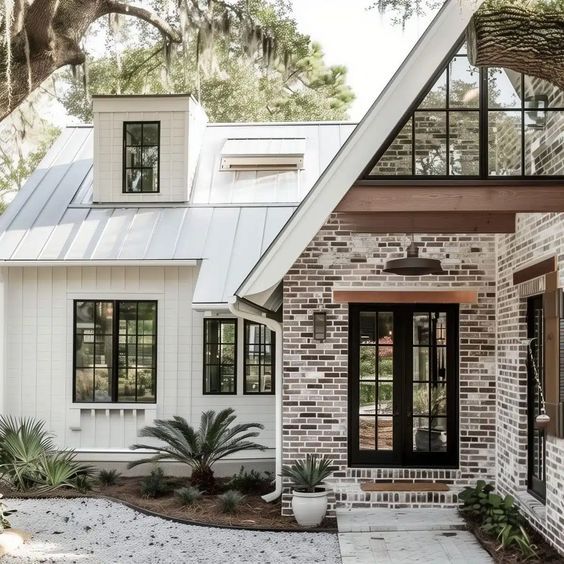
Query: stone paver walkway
point(402, 536)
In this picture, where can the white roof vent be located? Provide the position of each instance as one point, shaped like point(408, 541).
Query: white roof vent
point(277, 154)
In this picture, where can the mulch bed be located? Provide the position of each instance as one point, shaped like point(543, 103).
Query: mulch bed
point(254, 513)
point(512, 556)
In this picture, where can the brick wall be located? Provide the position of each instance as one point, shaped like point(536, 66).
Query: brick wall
point(316, 374)
point(537, 236)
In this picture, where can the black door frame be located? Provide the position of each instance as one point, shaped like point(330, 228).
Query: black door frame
point(402, 455)
point(535, 486)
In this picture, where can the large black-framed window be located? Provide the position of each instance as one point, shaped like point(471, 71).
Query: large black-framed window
point(220, 356)
point(403, 385)
point(258, 346)
point(477, 123)
point(115, 351)
point(536, 438)
point(141, 156)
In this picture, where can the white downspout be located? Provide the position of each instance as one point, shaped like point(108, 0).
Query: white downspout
point(252, 314)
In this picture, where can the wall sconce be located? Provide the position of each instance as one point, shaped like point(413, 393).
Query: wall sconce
point(535, 107)
point(319, 325)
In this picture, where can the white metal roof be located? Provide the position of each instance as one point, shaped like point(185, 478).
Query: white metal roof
point(263, 146)
point(231, 220)
point(426, 57)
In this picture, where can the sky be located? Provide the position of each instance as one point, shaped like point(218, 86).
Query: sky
point(367, 43)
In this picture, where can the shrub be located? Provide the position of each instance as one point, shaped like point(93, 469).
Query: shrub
point(108, 477)
point(29, 459)
point(200, 449)
point(4, 514)
point(308, 474)
point(249, 482)
point(188, 496)
point(230, 501)
point(155, 484)
point(498, 516)
point(83, 483)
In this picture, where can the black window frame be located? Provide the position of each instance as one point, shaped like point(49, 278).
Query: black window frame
point(261, 364)
point(125, 168)
point(221, 321)
point(114, 376)
point(402, 456)
point(484, 110)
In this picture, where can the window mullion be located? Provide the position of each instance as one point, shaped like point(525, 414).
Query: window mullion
point(115, 351)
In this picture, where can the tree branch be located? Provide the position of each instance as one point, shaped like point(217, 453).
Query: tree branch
point(117, 7)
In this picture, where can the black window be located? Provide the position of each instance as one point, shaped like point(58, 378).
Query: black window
point(115, 351)
point(220, 356)
point(259, 359)
point(141, 156)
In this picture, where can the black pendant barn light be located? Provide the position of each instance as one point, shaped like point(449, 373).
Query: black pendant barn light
point(413, 264)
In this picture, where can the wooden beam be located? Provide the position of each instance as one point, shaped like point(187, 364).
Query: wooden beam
point(535, 270)
point(450, 198)
point(428, 222)
point(405, 296)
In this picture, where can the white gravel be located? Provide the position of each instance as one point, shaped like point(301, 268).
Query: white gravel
point(93, 530)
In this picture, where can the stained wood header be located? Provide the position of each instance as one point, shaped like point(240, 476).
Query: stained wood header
point(406, 296)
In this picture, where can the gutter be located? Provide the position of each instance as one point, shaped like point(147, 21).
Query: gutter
point(244, 310)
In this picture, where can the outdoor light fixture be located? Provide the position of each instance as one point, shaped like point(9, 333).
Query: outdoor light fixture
point(319, 325)
point(413, 265)
point(535, 108)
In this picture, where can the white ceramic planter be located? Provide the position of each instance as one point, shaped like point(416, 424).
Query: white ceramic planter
point(309, 508)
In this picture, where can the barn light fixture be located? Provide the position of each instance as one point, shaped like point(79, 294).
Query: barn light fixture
point(413, 264)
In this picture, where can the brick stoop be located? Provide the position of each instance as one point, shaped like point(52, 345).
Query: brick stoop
point(350, 495)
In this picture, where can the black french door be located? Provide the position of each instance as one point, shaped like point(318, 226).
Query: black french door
point(403, 385)
point(536, 437)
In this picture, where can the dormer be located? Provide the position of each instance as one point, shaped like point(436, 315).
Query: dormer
point(146, 148)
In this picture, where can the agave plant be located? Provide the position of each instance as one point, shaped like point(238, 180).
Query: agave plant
point(62, 470)
point(308, 474)
point(200, 449)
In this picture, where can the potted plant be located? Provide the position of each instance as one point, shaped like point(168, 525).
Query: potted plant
point(309, 499)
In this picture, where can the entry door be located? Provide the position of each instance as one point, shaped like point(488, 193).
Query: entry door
point(403, 385)
point(536, 437)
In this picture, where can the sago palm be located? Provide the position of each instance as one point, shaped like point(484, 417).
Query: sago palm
point(200, 449)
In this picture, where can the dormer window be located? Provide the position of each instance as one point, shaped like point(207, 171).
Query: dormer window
point(141, 155)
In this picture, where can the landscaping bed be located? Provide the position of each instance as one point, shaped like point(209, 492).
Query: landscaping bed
point(545, 553)
point(252, 512)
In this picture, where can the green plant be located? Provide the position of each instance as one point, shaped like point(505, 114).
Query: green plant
point(200, 449)
point(4, 514)
point(230, 501)
point(250, 482)
point(29, 459)
point(155, 484)
point(108, 477)
point(189, 495)
point(308, 474)
point(83, 483)
point(498, 516)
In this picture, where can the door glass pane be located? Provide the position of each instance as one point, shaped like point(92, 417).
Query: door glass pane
point(421, 399)
point(368, 327)
point(438, 399)
point(420, 364)
point(385, 328)
point(438, 434)
point(421, 434)
point(421, 329)
point(367, 398)
point(366, 433)
point(385, 398)
point(385, 363)
point(385, 433)
point(367, 362)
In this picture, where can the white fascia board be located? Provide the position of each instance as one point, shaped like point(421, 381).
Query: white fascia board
point(117, 262)
point(425, 58)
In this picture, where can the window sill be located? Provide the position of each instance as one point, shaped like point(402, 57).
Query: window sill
point(532, 505)
point(116, 406)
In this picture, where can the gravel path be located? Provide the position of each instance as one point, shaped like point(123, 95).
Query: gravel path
point(92, 530)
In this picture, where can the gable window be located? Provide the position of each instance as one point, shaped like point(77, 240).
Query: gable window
point(115, 351)
point(141, 156)
point(220, 356)
point(477, 123)
point(259, 359)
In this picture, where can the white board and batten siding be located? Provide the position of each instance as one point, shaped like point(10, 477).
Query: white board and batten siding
point(38, 365)
point(182, 125)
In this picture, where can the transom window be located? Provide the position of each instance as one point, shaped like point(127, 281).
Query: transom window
point(115, 351)
point(220, 356)
point(472, 122)
point(259, 359)
point(141, 156)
